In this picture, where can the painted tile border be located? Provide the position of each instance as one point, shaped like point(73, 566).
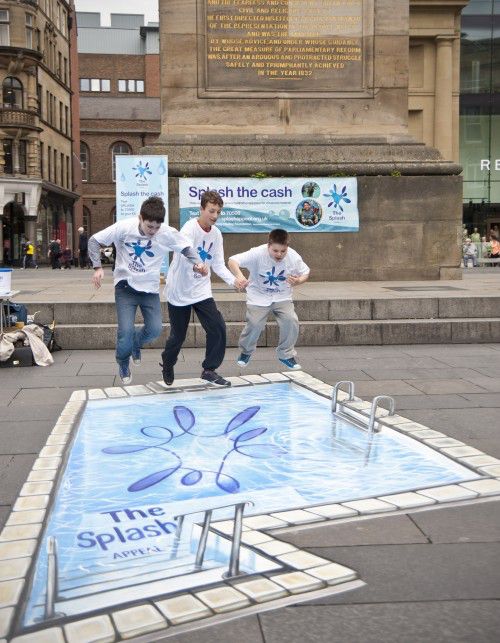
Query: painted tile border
point(304, 575)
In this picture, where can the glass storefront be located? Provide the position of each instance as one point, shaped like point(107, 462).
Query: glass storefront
point(480, 115)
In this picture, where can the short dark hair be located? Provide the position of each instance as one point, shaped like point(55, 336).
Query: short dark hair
point(211, 196)
point(153, 209)
point(278, 236)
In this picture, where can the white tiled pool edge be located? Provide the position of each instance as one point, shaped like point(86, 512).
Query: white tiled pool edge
point(308, 573)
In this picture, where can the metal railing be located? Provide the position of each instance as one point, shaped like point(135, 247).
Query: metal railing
point(375, 402)
point(335, 393)
point(52, 588)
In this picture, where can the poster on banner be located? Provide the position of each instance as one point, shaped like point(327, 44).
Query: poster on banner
point(321, 204)
point(138, 178)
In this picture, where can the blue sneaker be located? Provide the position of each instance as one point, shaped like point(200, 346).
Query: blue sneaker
point(243, 360)
point(124, 373)
point(136, 355)
point(291, 363)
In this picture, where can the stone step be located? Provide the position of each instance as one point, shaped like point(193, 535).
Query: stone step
point(312, 333)
point(233, 310)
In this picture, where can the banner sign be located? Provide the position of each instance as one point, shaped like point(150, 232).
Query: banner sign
point(138, 178)
point(259, 205)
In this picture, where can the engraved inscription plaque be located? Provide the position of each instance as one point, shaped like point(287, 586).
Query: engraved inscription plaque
point(287, 45)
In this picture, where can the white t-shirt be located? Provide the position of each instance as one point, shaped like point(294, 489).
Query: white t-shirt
point(267, 276)
point(139, 258)
point(185, 287)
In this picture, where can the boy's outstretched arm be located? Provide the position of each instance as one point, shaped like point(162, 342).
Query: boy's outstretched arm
point(241, 282)
point(296, 280)
point(94, 251)
point(192, 256)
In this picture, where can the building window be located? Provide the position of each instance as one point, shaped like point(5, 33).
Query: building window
point(118, 148)
point(86, 219)
point(55, 166)
point(8, 166)
point(42, 168)
point(66, 112)
point(4, 27)
point(61, 159)
point(131, 86)
point(30, 40)
point(49, 163)
point(85, 161)
point(61, 117)
point(68, 183)
point(21, 150)
point(95, 85)
point(12, 92)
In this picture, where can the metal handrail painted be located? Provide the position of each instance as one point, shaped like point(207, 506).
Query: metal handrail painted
point(335, 393)
point(376, 401)
point(52, 578)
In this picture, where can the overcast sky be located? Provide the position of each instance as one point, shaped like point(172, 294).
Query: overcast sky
point(147, 7)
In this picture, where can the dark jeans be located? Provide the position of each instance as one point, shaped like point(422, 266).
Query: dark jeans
point(129, 338)
point(83, 259)
point(213, 325)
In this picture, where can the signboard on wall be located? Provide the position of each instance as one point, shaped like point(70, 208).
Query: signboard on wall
point(318, 204)
point(138, 178)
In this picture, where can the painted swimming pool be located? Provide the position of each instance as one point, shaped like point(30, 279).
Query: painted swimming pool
point(136, 464)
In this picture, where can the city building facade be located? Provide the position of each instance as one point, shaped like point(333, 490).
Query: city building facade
point(119, 103)
point(36, 178)
point(480, 115)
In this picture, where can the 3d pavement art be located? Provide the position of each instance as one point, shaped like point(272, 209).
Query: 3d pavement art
point(155, 510)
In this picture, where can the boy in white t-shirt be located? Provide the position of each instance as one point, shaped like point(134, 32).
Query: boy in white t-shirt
point(185, 291)
point(274, 269)
point(141, 246)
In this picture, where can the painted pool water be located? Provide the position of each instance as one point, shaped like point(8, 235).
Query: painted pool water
point(137, 464)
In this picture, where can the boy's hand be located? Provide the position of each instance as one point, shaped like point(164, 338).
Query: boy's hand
point(241, 283)
point(97, 277)
point(201, 268)
point(293, 280)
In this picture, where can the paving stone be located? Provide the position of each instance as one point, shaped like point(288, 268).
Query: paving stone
point(28, 437)
point(408, 402)
point(223, 599)
point(57, 439)
point(424, 434)
point(20, 532)
point(47, 463)
point(78, 395)
point(6, 616)
point(297, 516)
point(97, 629)
point(240, 630)
point(459, 621)
point(419, 572)
point(275, 377)
point(333, 573)
point(263, 522)
point(369, 506)
point(15, 568)
point(483, 487)
point(297, 582)
point(333, 511)
point(182, 609)
point(31, 502)
point(448, 493)
point(42, 475)
point(301, 560)
point(96, 394)
point(254, 379)
point(491, 470)
point(36, 488)
point(227, 526)
point(26, 517)
point(137, 389)
point(478, 522)
point(461, 452)
point(261, 590)
point(386, 530)
point(443, 442)
point(115, 391)
point(407, 500)
point(17, 549)
point(51, 635)
point(138, 620)
point(13, 472)
point(10, 592)
point(237, 381)
point(252, 537)
point(480, 460)
point(275, 547)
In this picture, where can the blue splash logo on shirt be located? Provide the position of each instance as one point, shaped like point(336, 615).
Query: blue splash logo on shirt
point(205, 253)
point(138, 250)
point(273, 279)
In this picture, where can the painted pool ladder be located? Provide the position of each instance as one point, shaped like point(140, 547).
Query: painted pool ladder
point(52, 588)
point(375, 403)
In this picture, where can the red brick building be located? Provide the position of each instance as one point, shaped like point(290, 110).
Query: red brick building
point(119, 103)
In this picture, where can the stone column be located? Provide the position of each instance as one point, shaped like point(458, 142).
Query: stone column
point(443, 101)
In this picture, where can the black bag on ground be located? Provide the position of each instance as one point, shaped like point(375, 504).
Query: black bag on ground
point(22, 356)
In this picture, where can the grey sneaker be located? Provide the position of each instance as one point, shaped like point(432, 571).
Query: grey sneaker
point(214, 378)
point(124, 373)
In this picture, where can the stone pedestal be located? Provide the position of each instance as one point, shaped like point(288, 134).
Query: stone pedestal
point(296, 88)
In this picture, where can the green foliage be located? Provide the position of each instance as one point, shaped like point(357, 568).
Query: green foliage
point(259, 175)
point(395, 173)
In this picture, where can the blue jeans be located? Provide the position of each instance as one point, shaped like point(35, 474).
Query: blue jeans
point(130, 339)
